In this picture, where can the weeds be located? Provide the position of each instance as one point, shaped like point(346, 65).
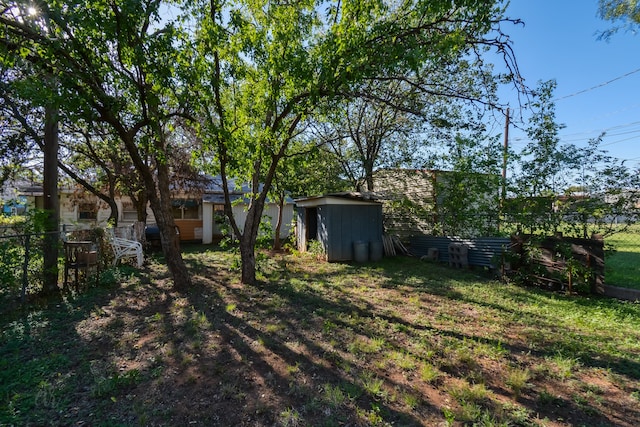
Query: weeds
point(564, 366)
point(518, 380)
point(290, 418)
point(429, 373)
point(334, 396)
point(113, 384)
point(372, 385)
point(470, 393)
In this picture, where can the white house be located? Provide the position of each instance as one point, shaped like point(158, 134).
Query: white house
point(214, 222)
point(199, 218)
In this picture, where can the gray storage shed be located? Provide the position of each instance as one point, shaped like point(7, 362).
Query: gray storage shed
point(341, 222)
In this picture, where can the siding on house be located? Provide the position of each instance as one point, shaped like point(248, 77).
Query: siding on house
point(409, 200)
point(203, 228)
point(190, 229)
point(270, 214)
point(211, 230)
point(434, 202)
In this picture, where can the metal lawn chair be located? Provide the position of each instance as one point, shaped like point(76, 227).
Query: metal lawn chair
point(125, 248)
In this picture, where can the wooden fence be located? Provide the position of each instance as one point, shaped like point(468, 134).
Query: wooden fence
point(560, 262)
point(552, 262)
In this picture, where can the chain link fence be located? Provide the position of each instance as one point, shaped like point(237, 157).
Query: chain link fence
point(21, 265)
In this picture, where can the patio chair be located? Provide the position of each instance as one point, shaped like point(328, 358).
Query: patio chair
point(81, 257)
point(125, 248)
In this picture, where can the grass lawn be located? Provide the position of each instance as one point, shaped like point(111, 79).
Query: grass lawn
point(402, 343)
point(622, 268)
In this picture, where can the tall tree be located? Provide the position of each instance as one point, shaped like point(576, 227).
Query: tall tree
point(604, 198)
point(369, 133)
point(390, 124)
point(542, 166)
point(562, 187)
point(97, 170)
point(16, 145)
point(268, 67)
point(49, 104)
point(119, 64)
point(308, 170)
point(468, 186)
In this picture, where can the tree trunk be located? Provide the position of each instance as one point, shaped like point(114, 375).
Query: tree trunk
point(51, 202)
point(140, 203)
point(248, 240)
point(248, 258)
point(159, 195)
point(113, 215)
point(170, 243)
point(163, 212)
point(368, 173)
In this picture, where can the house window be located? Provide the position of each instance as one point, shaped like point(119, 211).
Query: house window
point(186, 209)
point(87, 211)
point(129, 212)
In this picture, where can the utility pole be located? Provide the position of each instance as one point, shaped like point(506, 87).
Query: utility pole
point(51, 203)
point(505, 154)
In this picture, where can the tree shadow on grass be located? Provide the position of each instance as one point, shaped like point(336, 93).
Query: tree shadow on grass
point(46, 364)
point(286, 369)
point(575, 345)
point(327, 345)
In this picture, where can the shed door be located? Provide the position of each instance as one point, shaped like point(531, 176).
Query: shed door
point(312, 223)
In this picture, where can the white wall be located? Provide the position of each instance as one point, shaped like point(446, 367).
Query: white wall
point(240, 214)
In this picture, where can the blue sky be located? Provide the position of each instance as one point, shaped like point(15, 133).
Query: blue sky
point(598, 82)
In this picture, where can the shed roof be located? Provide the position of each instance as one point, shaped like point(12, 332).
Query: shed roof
point(344, 198)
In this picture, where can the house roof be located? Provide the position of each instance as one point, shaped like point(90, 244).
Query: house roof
point(214, 193)
point(218, 198)
point(215, 186)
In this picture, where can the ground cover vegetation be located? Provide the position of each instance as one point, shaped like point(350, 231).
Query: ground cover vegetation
point(622, 266)
point(400, 342)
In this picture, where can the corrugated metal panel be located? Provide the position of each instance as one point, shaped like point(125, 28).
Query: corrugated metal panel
point(482, 251)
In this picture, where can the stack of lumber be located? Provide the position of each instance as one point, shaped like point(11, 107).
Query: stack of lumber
point(393, 246)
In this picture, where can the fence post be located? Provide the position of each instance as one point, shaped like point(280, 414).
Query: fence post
point(25, 267)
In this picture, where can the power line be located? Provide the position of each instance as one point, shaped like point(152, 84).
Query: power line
point(609, 114)
point(598, 86)
point(620, 140)
point(587, 135)
point(606, 135)
point(521, 140)
point(590, 132)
